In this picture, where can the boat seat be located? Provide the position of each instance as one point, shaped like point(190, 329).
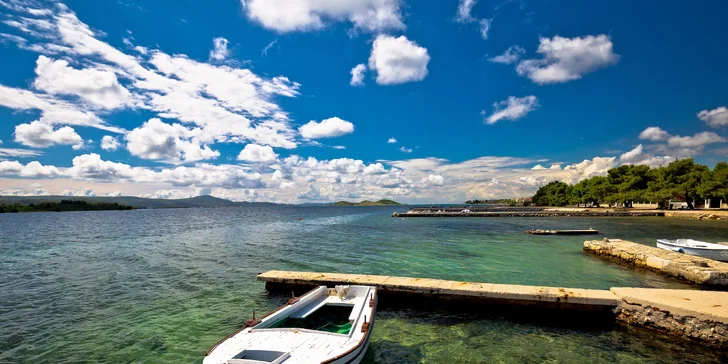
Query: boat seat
point(308, 309)
point(358, 305)
point(260, 357)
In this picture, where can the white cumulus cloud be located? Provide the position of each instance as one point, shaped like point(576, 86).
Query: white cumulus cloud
point(511, 55)
point(513, 108)
point(53, 111)
point(170, 143)
point(654, 133)
point(391, 140)
point(87, 192)
point(100, 88)
point(257, 153)
point(638, 155)
point(696, 141)
point(715, 118)
point(307, 15)
point(108, 142)
point(675, 146)
point(220, 49)
point(327, 128)
point(631, 155)
point(228, 103)
point(398, 60)
point(567, 59)
point(41, 135)
point(357, 75)
point(465, 7)
point(485, 27)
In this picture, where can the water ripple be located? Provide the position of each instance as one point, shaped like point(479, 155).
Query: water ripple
point(153, 286)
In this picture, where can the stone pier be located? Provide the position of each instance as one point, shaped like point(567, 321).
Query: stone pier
point(694, 269)
point(574, 299)
point(699, 316)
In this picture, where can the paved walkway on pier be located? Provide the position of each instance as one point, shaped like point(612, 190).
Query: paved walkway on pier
point(704, 305)
point(574, 298)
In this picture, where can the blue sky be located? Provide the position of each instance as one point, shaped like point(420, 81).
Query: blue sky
point(298, 101)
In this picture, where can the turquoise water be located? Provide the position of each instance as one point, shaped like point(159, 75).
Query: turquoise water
point(165, 285)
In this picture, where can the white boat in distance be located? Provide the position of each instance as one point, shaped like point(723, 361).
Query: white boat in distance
point(696, 248)
point(323, 326)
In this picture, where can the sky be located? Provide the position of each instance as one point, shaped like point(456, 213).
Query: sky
point(297, 101)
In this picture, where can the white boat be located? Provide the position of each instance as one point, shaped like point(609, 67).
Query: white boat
point(326, 325)
point(696, 248)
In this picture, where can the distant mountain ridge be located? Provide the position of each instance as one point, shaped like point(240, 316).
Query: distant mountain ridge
point(367, 203)
point(159, 203)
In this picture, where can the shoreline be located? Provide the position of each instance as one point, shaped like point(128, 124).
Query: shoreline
point(705, 214)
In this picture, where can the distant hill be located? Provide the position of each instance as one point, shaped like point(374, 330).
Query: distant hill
point(65, 205)
point(136, 202)
point(367, 203)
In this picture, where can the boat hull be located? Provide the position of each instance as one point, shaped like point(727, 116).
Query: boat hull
point(294, 334)
point(357, 354)
point(714, 254)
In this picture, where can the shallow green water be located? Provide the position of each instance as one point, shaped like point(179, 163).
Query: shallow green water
point(165, 285)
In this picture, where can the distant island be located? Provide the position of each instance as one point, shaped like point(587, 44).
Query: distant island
point(367, 203)
point(135, 202)
point(63, 205)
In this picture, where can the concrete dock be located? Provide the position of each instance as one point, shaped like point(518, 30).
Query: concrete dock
point(562, 232)
point(700, 316)
point(691, 268)
point(424, 288)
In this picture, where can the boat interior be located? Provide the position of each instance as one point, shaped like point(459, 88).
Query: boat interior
point(328, 310)
point(332, 319)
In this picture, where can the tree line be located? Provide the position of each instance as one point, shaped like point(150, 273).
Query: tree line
point(682, 180)
point(64, 205)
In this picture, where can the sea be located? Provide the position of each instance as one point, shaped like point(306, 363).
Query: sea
point(163, 286)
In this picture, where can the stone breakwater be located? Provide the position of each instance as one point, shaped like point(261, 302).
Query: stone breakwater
point(700, 215)
point(688, 267)
point(700, 316)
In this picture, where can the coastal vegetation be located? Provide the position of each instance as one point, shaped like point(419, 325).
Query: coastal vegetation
point(63, 205)
point(367, 203)
point(682, 180)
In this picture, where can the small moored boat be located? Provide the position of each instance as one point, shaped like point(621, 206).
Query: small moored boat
point(696, 248)
point(326, 325)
